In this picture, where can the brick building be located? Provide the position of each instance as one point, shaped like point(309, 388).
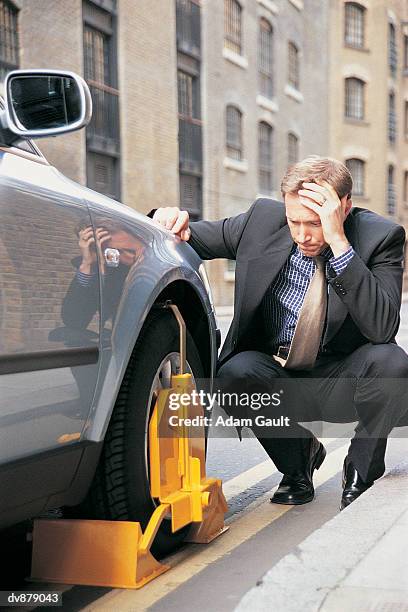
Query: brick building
point(204, 104)
point(368, 108)
point(127, 54)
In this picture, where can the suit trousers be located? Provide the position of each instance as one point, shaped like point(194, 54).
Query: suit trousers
point(370, 386)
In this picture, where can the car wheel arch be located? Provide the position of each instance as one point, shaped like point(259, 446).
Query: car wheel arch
point(198, 321)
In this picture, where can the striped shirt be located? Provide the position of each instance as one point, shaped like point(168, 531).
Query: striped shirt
point(283, 299)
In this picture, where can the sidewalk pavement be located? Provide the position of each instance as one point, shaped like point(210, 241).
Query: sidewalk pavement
point(357, 562)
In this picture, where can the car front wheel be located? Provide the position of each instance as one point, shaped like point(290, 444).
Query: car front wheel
point(120, 490)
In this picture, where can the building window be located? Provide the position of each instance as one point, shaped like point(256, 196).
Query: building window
point(188, 27)
point(405, 52)
point(188, 32)
point(191, 195)
point(190, 125)
point(391, 199)
point(265, 145)
point(392, 49)
point(100, 70)
point(406, 118)
point(265, 58)
point(293, 65)
point(233, 26)
point(354, 25)
point(234, 132)
point(8, 38)
point(293, 149)
point(356, 168)
point(354, 108)
point(405, 188)
point(188, 95)
point(392, 119)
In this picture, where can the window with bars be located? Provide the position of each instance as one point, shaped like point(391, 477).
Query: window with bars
point(354, 25)
point(356, 168)
point(293, 65)
point(293, 149)
point(97, 56)
point(191, 195)
point(405, 52)
point(9, 50)
point(405, 188)
point(188, 26)
point(392, 49)
point(234, 132)
point(188, 95)
point(392, 119)
point(391, 196)
point(233, 26)
point(265, 154)
point(102, 173)
point(354, 98)
point(190, 131)
point(265, 58)
point(406, 118)
point(100, 70)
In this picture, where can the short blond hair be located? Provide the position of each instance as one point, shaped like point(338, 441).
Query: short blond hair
point(315, 168)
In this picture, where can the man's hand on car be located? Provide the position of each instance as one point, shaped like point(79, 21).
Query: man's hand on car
point(175, 220)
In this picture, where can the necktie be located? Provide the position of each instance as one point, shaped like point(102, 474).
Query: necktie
point(309, 327)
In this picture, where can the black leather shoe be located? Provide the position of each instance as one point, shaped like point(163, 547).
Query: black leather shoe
point(353, 484)
point(297, 488)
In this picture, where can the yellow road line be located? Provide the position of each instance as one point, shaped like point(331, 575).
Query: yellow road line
point(196, 557)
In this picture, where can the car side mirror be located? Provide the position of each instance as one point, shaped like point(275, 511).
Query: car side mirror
point(46, 103)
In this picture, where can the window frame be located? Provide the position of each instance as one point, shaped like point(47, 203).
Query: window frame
point(357, 179)
point(102, 136)
point(392, 49)
point(293, 139)
point(233, 134)
point(293, 65)
point(392, 119)
point(265, 161)
point(358, 9)
point(233, 26)
point(391, 194)
point(265, 58)
point(405, 188)
point(349, 104)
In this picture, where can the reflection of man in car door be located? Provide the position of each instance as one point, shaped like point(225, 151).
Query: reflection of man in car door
point(115, 250)
point(111, 250)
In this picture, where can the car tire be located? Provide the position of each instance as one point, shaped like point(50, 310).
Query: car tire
point(120, 489)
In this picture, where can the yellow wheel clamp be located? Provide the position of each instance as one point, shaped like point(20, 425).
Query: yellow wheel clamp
point(117, 553)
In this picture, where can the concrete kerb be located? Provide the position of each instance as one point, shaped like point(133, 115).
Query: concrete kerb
point(303, 579)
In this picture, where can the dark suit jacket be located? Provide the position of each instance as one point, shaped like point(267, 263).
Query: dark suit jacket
point(364, 300)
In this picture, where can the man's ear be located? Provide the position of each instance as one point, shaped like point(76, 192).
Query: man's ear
point(347, 202)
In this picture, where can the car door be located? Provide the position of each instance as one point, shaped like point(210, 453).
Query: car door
point(49, 351)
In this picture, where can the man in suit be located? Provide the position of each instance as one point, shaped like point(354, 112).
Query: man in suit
point(317, 299)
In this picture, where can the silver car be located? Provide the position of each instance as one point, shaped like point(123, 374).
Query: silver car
point(85, 342)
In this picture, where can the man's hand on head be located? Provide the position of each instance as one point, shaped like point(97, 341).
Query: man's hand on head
point(175, 220)
point(324, 201)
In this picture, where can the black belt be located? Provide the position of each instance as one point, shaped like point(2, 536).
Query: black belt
point(283, 351)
